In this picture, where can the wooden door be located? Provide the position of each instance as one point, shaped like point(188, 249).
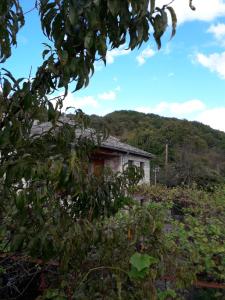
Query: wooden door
point(98, 166)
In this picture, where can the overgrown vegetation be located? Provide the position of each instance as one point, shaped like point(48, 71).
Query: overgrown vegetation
point(65, 234)
point(160, 248)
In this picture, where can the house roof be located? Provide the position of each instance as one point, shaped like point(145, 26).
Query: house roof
point(115, 144)
point(111, 142)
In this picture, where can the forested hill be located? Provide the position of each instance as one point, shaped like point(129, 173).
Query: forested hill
point(196, 152)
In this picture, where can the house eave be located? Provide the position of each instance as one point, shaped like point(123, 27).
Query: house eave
point(147, 155)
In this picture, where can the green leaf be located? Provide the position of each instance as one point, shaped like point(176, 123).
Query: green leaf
point(44, 53)
point(142, 261)
point(51, 111)
point(102, 47)
point(174, 20)
point(27, 101)
point(20, 202)
point(135, 274)
point(6, 87)
point(152, 6)
point(80, 83)
point(159, 23)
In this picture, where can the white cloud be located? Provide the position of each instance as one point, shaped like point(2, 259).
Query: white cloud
point(112, 54)
point(206, 10)
point(144, 55)
point(193, 110)
point(214, 62)
point(218, 31)
point(174, 109)
point(111, 95)
point(213, 117)
point(79, 102)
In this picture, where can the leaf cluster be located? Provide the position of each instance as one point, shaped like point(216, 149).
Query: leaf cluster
point(11, 20)
point(82, 33)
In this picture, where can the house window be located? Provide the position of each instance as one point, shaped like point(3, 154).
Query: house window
point(142, 167)
point(130, 163)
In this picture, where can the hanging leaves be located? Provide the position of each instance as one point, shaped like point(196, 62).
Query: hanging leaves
point(83, 32)
point(174, 20)
point(159, 23)
point(11, 20)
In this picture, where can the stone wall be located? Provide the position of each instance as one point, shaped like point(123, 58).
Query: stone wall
point(117, 163)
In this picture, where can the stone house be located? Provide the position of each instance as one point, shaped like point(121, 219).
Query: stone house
point(112, 153)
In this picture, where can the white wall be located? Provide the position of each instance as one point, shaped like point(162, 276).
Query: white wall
point(136, 161)
point(116, 164)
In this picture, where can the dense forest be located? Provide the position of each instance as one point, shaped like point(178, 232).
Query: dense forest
point(196, 152)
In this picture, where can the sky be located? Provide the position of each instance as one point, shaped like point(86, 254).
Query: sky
point(185, 79)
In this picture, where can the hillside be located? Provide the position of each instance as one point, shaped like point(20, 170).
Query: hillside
point(196, 152)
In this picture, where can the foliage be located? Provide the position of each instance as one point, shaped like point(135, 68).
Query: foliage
point(196, 151)
point(11, 20)
point(130, 254)
point(40, 173)
point(198, 227)
point(201, 235)
point(94, 257)
point(78, 236)
point(84, 32)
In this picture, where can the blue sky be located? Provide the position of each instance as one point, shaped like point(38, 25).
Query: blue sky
point(185, 79)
